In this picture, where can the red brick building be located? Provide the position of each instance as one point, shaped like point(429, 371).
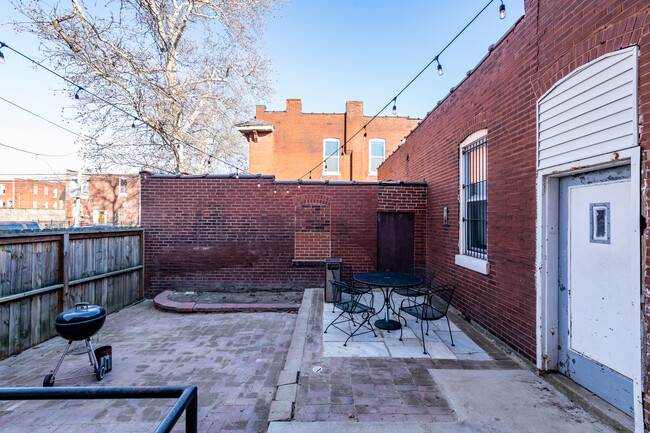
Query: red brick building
point(537, 209)
point(103, 199)
point(287, 144)
point(31, 194)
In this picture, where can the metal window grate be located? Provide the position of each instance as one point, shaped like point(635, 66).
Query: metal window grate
point(475, 199)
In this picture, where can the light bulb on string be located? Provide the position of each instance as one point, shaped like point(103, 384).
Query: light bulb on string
point(2, 57)
point(299, 182)
point(76, 94)
point(210, 160)
point(237, 175)
point(502, 10)
point(394, 106)
point(365, 134)
point(259, 184)
point(133, 124)
point(439, 67)
point(287, 190)
point(275, 189)
point(310, 175)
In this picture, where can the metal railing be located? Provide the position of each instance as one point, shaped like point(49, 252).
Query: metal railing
point(187, 399)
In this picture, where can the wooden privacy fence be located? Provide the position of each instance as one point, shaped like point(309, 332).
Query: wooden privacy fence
point(44, 273)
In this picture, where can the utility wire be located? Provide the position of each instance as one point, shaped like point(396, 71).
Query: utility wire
point(394, 99)
point(135, 118)
point(43, 118)
point(36, 154)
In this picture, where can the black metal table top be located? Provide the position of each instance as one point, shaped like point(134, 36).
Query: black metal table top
point(387, 279)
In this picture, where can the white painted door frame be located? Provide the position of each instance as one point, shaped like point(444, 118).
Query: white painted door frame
point(546, 275)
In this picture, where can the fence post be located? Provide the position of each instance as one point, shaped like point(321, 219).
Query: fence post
point(141, 237)
point(66, 270)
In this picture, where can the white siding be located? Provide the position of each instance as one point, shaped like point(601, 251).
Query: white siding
point(590, 112)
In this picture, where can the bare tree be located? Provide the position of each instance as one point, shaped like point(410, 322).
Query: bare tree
point(180, 72)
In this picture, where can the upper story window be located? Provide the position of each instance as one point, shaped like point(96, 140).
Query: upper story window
point(45, 205)
point(55, 193)
point(331, 156)
point(473, 203)
point(2, 189)
point(35, 204)
point(122, 186)
point(45, 191)
point(377, 155)
point(35, 190)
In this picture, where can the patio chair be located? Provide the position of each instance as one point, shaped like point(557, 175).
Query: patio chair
point(435, 306)
point(350, 300)
point(414, 292)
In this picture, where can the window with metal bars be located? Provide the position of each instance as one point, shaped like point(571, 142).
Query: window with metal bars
point(474, 196)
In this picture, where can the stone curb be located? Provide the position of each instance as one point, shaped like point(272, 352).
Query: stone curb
point(287, 387)
point(162, 302)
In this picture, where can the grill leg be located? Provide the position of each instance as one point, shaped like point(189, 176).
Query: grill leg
point(91, 355)
point(65, 352)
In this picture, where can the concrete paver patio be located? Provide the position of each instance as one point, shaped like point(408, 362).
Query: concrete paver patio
point(237, 359)
point(234, 360)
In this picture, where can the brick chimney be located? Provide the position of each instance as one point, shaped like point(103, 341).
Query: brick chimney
point(294, 106)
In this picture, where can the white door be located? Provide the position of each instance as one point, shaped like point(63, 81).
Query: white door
point(596, 305)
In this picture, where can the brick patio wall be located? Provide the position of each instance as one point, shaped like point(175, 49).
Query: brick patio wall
point(500, 95)
point(217, 232)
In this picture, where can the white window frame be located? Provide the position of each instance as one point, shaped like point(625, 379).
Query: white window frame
point(119, 186)
point(326, 156)
point(55, 205)
point(55, 192)
point(35, 189)
point(2, 203)
point(476, 264)
point(45, 205)
point(2, 189)
point(383, 158)
point(34, 205)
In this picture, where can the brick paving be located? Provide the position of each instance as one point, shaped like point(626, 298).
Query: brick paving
point(234, 359)
point(378, 389)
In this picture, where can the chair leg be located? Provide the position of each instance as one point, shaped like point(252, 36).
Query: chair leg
point(424, 346)
point(450, 336)
point(427, 333)
point(333, 322)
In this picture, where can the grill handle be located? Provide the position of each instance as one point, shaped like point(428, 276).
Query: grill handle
point(81, 305)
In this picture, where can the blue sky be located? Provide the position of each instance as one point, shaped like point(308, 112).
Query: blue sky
point(324, 52)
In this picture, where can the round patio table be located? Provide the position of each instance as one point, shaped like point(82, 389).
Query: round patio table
point(387, 281)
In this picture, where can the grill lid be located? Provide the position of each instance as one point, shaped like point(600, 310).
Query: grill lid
point(82, 312)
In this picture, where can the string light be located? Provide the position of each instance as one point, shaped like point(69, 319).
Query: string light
point(439, 66)
point(2, 56)
point(309, 174)
point(259, 183)
point(237, 175)
point(287, 190)
point(275, 189)
point(76, 94)
point(394, 106)
point(502, 10)
point(133, 124)
point(299, 182)
point(209, 160)
point(365, 134)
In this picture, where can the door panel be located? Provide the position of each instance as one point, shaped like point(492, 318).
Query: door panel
point(596, 314)
point(395, 241)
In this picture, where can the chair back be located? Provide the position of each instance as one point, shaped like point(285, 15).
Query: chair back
point(440, 298)
point(423, 272)
point(342, 292)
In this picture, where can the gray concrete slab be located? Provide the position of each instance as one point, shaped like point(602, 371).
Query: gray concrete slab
point(510, 401)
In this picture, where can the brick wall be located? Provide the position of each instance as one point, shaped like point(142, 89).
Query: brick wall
point(296, 144)
point(217, 232)
point(45, 194)
point(500, 96)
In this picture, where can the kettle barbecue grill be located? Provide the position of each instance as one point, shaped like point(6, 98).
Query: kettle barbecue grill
point(79, 323)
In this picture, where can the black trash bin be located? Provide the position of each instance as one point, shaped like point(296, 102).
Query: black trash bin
point(332, 272)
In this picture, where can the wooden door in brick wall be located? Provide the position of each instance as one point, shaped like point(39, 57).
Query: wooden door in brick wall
point(395, 241)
